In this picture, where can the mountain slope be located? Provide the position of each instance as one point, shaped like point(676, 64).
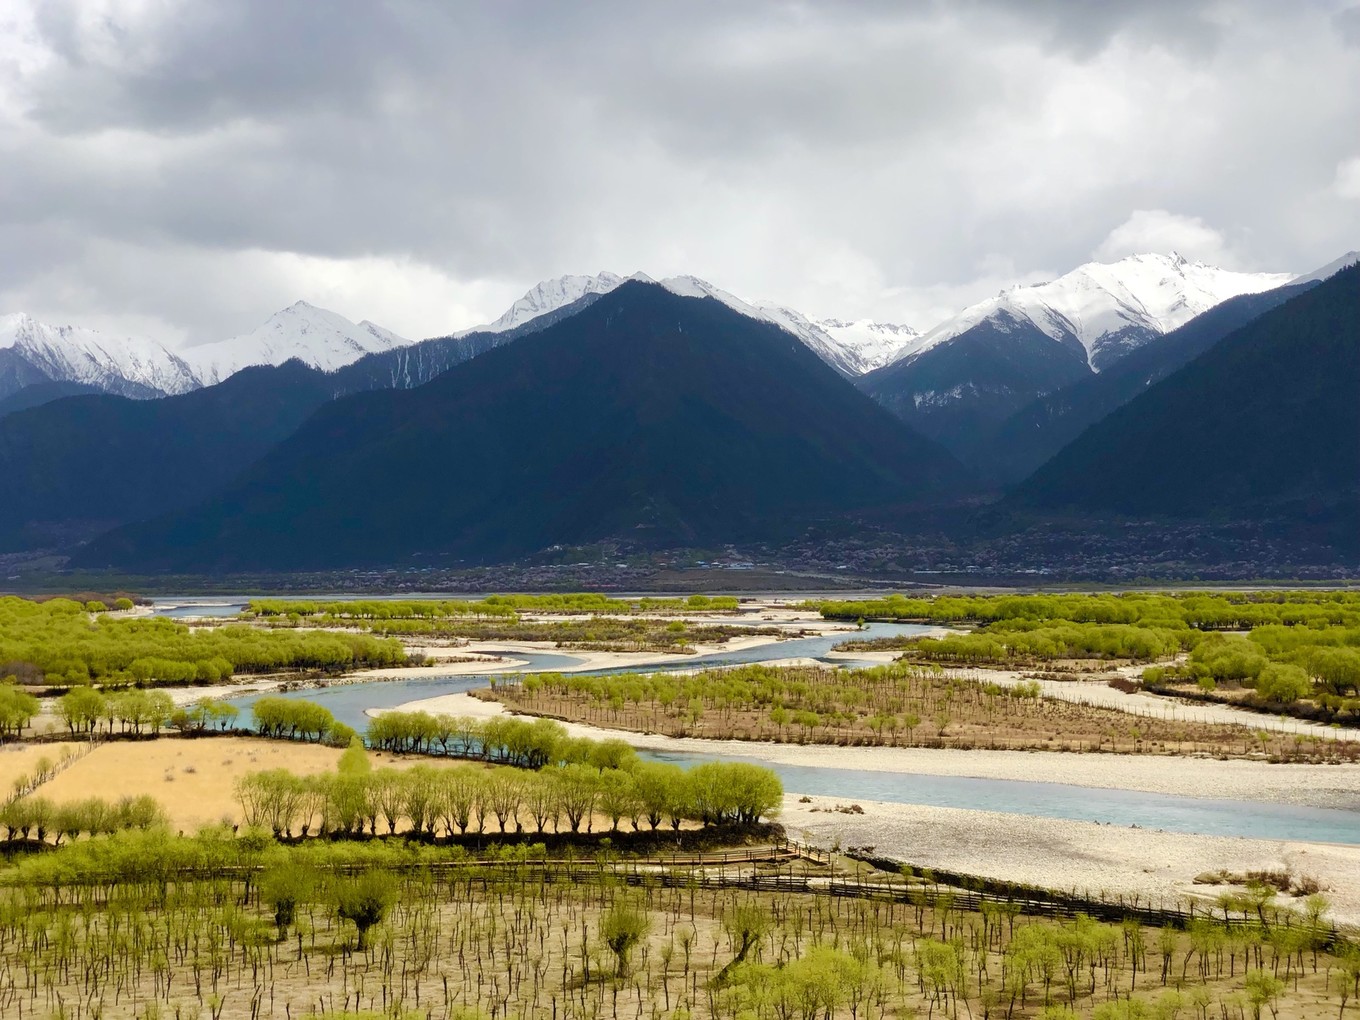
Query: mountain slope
point(646, 416)
point(1266, 421)
point(959, 392)
point(322, 339)
point(35, 352)
point(79, 465)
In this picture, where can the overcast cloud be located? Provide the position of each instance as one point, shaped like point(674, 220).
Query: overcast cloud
point(182, 169)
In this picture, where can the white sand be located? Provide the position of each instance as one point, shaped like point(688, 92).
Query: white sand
point(1231, 779)
point(1085, 857)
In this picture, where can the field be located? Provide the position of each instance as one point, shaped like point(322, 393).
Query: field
point(248, 929)
point(898, 705)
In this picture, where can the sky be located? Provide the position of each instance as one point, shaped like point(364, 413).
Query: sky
point(182, 169)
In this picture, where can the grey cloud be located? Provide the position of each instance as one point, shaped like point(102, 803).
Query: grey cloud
point(767, 145)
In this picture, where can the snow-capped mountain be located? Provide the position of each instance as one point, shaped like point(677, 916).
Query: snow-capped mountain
point(1107, 310)
point(320, 338)
point(33, 353)
point(874, 344)
point(36, 352)
point(852, 348)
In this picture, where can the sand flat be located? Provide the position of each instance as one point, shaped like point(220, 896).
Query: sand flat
point(1085, 857)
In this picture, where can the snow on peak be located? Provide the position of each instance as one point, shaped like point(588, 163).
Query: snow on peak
point(77, 354)
point(1110, 308)
point(546, 297)
point(316, 336)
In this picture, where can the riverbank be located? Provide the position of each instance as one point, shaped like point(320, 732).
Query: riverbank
point(1335, 786)
point(1083, 857)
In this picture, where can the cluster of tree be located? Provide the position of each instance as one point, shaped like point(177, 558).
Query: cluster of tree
point(87, 710)
point(1283, 665)
point(506, 606)
point(592, 602)
point(1024, 641)
point(604, 632)
point(17, 709)
point(38, 818)
point(1198, 610)
point(297, 719)
point(61, 643)
point(1299, 645)
point(431, 801)
point(526, 743)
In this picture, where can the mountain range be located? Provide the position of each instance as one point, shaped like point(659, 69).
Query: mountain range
point(504, 441)
point(992, 353)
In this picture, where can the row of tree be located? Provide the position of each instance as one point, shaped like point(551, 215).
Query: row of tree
point(431, 801)
point(38, 818)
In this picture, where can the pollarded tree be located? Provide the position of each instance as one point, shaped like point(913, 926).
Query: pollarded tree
point(504, 796)
point(81, 709)
point(618, 797)
point(285, 885)
point(622, 927)
point(365, 900)
point(17, 709)
point(658, 786)
point(578, 788)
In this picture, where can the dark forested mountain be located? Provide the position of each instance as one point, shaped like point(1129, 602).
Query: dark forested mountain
point(1025, 440)
point(37, 394)
point(958, 392)
point(75, 466)
point(1266, 422)
point(661, 419)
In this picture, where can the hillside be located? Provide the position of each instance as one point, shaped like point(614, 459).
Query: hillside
point(655, 418)
point(79, 465)
point(1036, 432)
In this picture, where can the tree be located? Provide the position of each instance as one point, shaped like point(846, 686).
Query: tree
point(622, 927)
point(1283, 683)
point(17, 709)
point(746, 924)
point(283, 887)
point(81, 709)
point(365, 900)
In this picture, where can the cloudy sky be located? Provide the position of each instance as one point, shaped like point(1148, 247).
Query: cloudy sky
point(182, 169)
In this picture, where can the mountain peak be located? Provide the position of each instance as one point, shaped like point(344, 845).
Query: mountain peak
point(318, 337)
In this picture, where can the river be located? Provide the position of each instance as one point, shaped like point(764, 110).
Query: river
point(1261, 820)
